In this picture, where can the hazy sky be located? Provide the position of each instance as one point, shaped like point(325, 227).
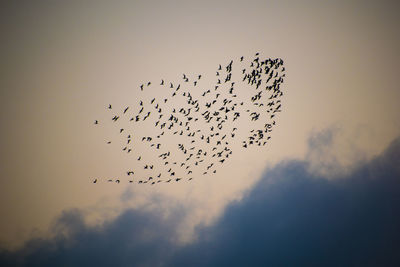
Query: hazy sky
point(63, 62)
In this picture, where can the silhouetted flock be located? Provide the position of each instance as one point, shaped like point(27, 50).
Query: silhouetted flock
point(193, 127)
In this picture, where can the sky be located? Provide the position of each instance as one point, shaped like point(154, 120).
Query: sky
point(322, 192)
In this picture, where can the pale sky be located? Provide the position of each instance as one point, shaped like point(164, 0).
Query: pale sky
point(64, 62)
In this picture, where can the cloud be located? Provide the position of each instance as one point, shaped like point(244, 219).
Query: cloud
point(338, 150)
point(135, 238)
point(290, 218)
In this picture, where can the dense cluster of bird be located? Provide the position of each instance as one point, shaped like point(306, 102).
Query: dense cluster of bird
point(192, 129)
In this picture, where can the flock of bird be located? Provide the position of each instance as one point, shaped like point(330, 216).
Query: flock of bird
point(191, 129)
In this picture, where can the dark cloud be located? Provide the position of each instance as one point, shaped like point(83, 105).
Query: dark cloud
point(135, 238)
point(290, 218)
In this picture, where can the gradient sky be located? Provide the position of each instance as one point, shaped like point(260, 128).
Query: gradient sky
point(63, 62)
